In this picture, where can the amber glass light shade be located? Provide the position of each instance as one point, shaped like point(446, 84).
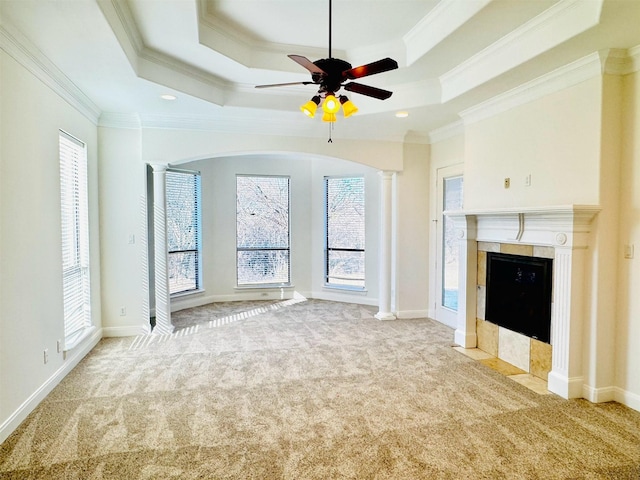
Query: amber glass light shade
point(329, 117)
point(331, 104)
point(348, 108)
point(309, 108)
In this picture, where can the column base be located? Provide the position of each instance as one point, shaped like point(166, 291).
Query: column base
point(385, 316)
point(564, 386)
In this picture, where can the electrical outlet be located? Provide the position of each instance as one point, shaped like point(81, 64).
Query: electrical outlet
point(527, 180)
point(123, 311)
point(59, 346)
point(628, 251)
point(507, 182)
point(46, 356)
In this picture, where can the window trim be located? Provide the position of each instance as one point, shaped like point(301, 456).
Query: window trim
point(272, 285)
point(76, 165)
point(198, 250)
point(327, 249)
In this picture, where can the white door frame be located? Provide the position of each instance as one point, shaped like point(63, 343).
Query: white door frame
point(443, 314)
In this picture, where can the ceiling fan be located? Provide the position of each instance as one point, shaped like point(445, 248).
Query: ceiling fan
point(330, 74)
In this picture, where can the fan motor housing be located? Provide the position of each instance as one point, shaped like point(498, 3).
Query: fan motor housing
point(334, 68)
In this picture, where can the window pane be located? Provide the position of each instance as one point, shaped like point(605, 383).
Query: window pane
point(183, 271)
point(74, 212)
point(345, 231)
point(346, 268)
point(183, 230)
point(262, 226)
point(452, 201)
point(263, 266)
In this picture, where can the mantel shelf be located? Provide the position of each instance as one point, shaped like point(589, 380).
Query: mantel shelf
point(551, 211)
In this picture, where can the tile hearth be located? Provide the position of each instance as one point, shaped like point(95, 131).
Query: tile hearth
point(512, 372)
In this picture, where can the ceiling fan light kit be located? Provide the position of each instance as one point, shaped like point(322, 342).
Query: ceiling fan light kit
point(309, 108)
point(348, 108)
point(330, 74)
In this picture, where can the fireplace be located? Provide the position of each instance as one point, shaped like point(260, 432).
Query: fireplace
point(565, 231)
point(519, 294)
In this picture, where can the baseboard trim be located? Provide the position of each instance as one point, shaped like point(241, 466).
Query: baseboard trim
point(73, 358)
point(564, 386)
point(631, 400)
point(598, 395)
point(126, 331)
point(465, 339)
point(252, 294)
point(412, 314)
point(344, 297)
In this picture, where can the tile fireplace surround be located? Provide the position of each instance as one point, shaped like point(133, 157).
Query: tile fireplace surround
point(566, 230)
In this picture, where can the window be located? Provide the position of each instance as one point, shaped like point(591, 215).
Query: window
point(452, 200)
point(262, 230)
point(344, 253)
point(183, 231)
point(74, 211)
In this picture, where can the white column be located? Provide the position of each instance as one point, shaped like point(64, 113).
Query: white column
point(465, 227)
point(161, 257)
point(384, 257)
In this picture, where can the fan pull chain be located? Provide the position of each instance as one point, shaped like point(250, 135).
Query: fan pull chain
point(330, 129)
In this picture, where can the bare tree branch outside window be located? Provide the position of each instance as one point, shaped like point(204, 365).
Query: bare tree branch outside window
point(262, 230)
point(345, 224)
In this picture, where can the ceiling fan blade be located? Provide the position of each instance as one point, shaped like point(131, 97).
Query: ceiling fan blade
point(308, 64)
point(283, 84)
point(380, 66)
point(374, 92)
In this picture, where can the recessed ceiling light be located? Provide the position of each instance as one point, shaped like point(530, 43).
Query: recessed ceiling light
point(402, 114)
point(167, 96)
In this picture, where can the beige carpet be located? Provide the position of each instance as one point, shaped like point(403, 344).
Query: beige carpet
point(309, 390)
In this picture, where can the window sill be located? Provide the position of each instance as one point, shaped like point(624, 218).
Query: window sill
point(74, 340)
point(265, 286)
point(186, 294)
point(346, 289)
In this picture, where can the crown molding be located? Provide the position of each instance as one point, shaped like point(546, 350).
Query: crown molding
point(556, 25)
point(448, 131)
point(26, 54)
point(120, 120)
point(445, 18)
point(415, 137)
point(155, 66)
point(622, 62)
point(556, 80)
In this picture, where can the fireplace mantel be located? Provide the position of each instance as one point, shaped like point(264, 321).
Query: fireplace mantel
point(558, 225)
point(567, 229)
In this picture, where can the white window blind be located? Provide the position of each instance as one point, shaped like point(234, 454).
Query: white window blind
point(345, 232)
point(75, 237)
point(183, 230)
point(262, 230)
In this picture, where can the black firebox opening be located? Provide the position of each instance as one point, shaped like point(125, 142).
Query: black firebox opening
point(519, 294)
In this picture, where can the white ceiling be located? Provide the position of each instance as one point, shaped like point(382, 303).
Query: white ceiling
point(452, 55)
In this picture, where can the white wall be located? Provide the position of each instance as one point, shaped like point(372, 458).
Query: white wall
point(166, 145)
point(31, 309)
point(627, 345)
point(122, 213)
point(412, 243)
point(555, 139)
